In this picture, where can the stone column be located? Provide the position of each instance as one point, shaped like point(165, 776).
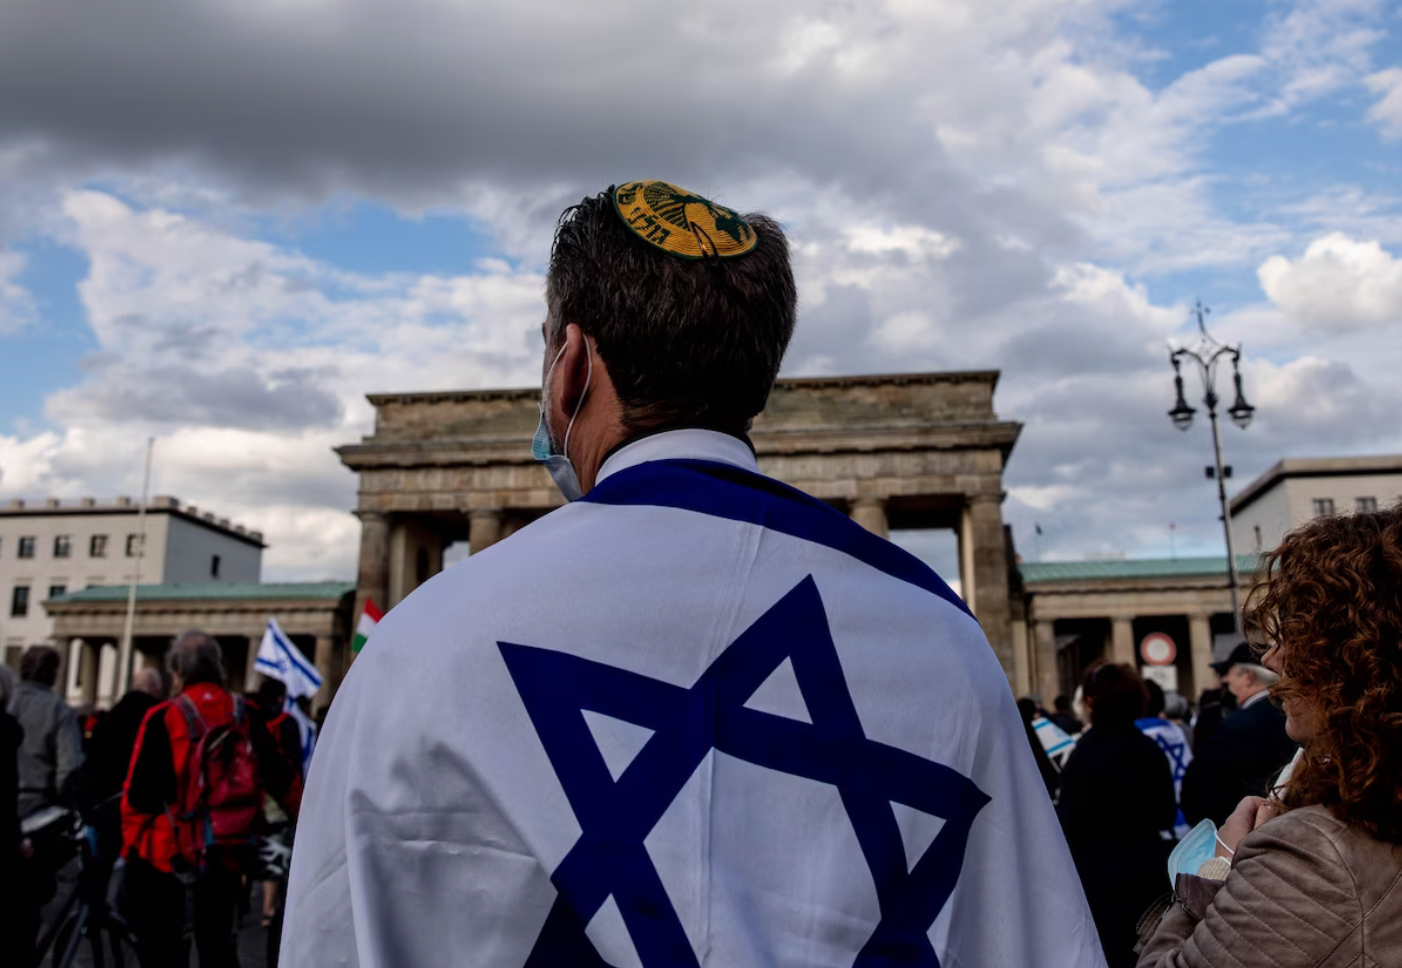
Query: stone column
point(250, 670)
point(87, 672)
point(1122, 641)
point(484, 529)
point(511, 524)
point(107, 682)
point(1047, 675)
point(324, 657)
point(373, 578)
point(966, 556)
point(870, 513)
point(1200, 644)
point(989, 555)
point(1022, 661)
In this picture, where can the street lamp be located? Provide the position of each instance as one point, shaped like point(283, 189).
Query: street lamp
point(1207, 353)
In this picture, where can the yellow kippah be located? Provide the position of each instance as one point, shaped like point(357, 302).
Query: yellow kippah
point(680, 223)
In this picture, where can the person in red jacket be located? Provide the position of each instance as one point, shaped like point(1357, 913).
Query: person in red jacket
point(159, 823)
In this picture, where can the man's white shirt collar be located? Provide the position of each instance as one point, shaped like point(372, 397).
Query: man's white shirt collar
point(1253, 700)
point(690, 444)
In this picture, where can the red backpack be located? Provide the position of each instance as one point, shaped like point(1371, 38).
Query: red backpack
point(222, 796)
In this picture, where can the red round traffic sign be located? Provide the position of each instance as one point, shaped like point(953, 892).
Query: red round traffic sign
point(1158, 649)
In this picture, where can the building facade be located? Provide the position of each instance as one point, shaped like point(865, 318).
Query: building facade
point(52, 549)
point(1300, 489)
point(918, 450)
point(88, 626)
point(1077, 612)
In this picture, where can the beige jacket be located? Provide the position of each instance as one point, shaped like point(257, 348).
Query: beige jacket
point(1305, 891)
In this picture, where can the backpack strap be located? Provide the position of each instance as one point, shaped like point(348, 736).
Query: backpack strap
point(194, 722)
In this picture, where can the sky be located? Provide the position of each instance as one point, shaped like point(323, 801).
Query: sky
point(223, 223)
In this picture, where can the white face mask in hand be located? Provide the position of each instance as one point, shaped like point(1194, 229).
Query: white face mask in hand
point(543, 446)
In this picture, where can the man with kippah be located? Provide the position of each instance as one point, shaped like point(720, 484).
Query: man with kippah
point(694, 717)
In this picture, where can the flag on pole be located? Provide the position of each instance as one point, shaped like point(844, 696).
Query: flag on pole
point(369, 618)
point(280, 659)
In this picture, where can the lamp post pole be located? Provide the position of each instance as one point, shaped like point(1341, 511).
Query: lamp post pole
point(124, 651)
point(1207, 353)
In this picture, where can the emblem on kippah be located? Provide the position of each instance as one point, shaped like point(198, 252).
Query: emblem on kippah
point(682, 224)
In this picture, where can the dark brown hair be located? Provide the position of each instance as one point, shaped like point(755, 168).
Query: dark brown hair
point(693, 343)
point(1331, 598)
point(40, 664)
point(1116, 694)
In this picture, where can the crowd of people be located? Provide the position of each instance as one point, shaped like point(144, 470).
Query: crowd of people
point(696, 717)
point(177, 795)
point(1304, 726)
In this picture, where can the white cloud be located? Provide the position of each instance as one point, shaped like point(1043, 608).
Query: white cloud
point(250, 363)
point(967, 185)
point(17, 307)
point(1387, 113)
point(1338, 283)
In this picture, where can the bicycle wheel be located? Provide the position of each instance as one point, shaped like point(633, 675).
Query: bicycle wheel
point(70, 935)
point(122, 944)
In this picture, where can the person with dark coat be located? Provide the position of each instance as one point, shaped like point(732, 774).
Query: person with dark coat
point(1064, 717)
point(112, 743)
point(1027, 709)
point(1247, 751)
point(1116, 798)
point(15, 929)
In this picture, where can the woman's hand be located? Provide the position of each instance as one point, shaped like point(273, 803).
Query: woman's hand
point(1249, 814)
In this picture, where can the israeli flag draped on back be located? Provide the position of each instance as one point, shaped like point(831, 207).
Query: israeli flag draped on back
point(280, 659)
point(697, 718)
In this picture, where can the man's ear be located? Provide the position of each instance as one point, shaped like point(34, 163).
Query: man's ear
point(573, 372)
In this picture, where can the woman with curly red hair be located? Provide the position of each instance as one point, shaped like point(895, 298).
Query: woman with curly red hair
point(1313, 876)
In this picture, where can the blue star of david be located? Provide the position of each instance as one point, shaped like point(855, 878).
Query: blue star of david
point(1176, 753)
point(615, 816)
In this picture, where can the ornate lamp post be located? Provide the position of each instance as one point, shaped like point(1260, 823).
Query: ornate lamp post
point(1207, 353)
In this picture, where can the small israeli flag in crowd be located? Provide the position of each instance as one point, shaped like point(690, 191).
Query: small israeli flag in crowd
point(280, 659)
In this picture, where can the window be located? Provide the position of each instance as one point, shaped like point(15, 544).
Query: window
point(214, 566)
point(1323, 506)
point(133, 542)
point(97, 546)
point(1365, 505)
point(19, 602)
point(58, 591)
point(63, 546)
point(26, 546)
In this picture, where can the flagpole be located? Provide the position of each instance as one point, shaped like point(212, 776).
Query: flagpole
point(124, 653)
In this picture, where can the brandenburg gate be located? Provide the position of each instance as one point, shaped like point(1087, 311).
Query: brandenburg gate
point(921, 450)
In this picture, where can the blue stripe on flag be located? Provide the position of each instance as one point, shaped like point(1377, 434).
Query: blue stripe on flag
point(292, 657)
point(727, 491)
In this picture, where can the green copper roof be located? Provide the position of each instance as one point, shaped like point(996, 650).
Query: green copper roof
point(213, 590)
point(1132, 568)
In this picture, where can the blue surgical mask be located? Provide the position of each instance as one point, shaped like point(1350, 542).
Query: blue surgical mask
point(1193, 851)
point(558, 464)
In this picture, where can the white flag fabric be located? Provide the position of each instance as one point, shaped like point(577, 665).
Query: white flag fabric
point(280, 659)
point(306, 732)
point(1174, 743)
point(696, 718)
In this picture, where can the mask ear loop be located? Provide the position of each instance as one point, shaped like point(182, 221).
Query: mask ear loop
point(545, 390)
point(588, 378)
